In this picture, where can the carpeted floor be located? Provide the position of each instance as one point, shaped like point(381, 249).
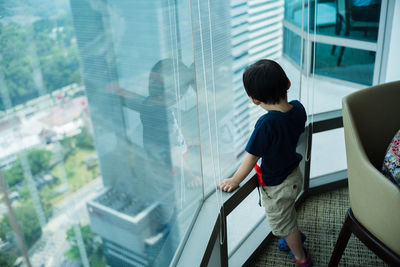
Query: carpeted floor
point(320, 218)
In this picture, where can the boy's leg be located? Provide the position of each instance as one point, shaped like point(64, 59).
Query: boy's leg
point(279, 206)
point(279, 203)
point(294, 242)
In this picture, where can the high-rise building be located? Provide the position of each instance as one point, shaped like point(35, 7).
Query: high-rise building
point(256, 34)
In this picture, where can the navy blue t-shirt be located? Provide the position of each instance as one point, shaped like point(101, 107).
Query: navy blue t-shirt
point(274, 139)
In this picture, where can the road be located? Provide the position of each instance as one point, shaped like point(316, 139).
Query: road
point(49, 250)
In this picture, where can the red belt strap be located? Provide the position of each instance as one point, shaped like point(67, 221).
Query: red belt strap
point(259, 175)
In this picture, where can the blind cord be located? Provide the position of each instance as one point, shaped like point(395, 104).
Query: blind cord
point(207, 104)
point(218, 192)
point(175, 65)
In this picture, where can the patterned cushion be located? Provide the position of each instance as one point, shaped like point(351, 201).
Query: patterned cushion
point(391, 163)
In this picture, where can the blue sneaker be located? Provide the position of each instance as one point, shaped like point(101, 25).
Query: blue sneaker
point(307, 263)
point(283, 246)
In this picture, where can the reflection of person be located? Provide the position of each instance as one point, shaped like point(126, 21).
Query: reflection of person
point(365, 10)
point(159, 113)
point(165, 145)
point(274, 139)
point(158, 119)
point(158, 123)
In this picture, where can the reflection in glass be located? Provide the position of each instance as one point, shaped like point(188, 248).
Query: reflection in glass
point(356, 19)
point(356, 65)
point(214, 80)
point(47, 153)
point(325, 13)
point(328, 153)
point(293, 12)
point(139, 83)
point(12, 233)
point(353, 19)
point(247, 209)
point(292, 45)
point(105, 105)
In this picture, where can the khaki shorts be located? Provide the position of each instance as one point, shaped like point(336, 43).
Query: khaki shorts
point(278, 202)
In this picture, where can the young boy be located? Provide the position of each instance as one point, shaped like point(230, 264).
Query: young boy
point(274, 140)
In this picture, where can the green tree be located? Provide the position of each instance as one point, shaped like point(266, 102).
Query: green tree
point(46, 195)
point(84, 139)
point(14, 175)
point(6, 233)
point(24, 193)
point(15, 63)
point(28, 222)
point(6, 10)
point(7, 258)
point(39, 160)
point(68, 147)
point(38, 8)
point(94, 249)
point(60, 69)
point(53, 41)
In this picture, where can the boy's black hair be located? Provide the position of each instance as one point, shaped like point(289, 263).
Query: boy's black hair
point(266, 81)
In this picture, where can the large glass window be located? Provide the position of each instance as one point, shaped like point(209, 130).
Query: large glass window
point(346, 36)
point(348, 64)
point(328, 153)
point(100, 131)
point(353, 19)
point(118, 119)
point(345, 18)
point(139, 80)
point(341, 54)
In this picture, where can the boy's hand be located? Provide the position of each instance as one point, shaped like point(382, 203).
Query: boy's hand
point(228, 185)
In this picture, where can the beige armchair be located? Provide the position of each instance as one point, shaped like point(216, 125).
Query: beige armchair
point(371, 117)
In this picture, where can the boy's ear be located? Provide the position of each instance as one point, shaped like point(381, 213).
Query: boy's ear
point(255, 101)
point(289, 84)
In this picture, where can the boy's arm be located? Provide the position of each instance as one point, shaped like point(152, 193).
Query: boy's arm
point(131, 100)
point(230, 184)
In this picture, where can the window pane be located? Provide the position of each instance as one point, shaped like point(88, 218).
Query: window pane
point(138, 72)
point(321, 93)
point(266, 39)
point(328, 153)
point(118, 117)
point(213, 63)
point(354, 65)
point(107, 161)
point(292, 45)
point(293, 12)
point(349, 19)
point(10, 253)
point(243, 217)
